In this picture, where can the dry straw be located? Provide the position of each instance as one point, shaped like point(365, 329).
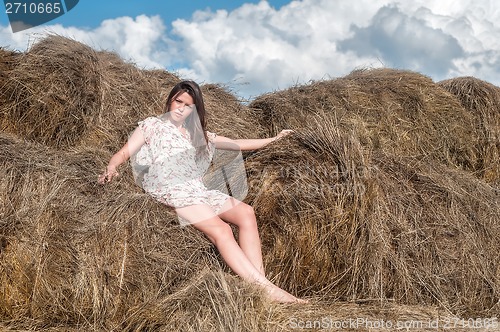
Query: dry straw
point(347, 224)
point(398, 112)
point(482, 100)
point(374, 207)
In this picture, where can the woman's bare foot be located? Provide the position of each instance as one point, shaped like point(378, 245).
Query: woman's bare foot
point(279, 295)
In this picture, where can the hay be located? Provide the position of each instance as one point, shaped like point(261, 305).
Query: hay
point(74, 250)
point(482, 100)
point(353, 224)
point(63, 93)
point(228, 116)
point(401, 113)
point(53, 90)
point(8, 60)
point(77, 256)
point(369, 208)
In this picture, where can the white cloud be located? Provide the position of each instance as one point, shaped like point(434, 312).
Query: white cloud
point(139, 40)
point(310, 39)
point(307, 40)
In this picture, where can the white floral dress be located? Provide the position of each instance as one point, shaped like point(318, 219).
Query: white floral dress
point(173, 175)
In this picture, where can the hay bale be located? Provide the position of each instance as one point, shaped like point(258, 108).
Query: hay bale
point(77, 257)
point(482, 100)
point(359, 204)
point(76, 251)
point(53, 90)
point(350, 224)
point(401, 113)
point(64, 94)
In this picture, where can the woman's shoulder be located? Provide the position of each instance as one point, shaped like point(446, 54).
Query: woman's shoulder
point(150, 119)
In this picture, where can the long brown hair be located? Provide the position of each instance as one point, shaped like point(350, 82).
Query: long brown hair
point(193, 89)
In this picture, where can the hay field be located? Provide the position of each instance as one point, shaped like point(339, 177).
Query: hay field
point(383, 208)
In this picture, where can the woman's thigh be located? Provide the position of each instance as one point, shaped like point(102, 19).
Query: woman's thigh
point(196, 213)
point(203, 218)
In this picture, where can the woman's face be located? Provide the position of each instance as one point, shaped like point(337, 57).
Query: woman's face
point(181, 106)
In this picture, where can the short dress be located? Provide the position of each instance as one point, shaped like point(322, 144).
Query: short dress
point(174, 175)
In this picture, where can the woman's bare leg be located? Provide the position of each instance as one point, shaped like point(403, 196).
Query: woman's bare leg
point(221, 234)
point(243, 216)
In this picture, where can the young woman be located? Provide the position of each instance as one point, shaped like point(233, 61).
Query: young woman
point(176, 149)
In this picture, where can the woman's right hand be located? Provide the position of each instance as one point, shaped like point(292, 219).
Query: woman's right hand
point(108, 175)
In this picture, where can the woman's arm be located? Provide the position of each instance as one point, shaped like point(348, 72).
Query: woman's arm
point(225, 143)
point(133, 145)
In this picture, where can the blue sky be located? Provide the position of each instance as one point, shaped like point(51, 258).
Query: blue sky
point(258, 46)
point(90, 13)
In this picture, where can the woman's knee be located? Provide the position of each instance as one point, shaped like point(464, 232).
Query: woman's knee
point(218, 233)
point(247, 216)
point(247, 210)
point(240, 214)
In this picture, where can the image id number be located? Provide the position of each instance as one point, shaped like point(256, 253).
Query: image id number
point(33, 8)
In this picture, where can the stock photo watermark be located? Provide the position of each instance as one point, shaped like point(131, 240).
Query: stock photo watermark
point(27, 14)
point(329, 323)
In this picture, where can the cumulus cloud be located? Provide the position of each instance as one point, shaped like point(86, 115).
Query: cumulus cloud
point(405, 42)
point(141, 40)
point(257, 48)
point(313, 39)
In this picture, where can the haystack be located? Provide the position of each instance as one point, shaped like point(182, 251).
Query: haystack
point(73, 250)
point(372, 197)
point(368, 207)
point(344, 222)
point(482, 100)
point(65, 94)
point(76, 256)
point(401, 113)
point(53, 91)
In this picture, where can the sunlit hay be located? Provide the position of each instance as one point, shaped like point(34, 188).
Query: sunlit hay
point(209, 301)
point(53, 91)
point(445, 225)
point(227, 116)
point(358, 205)
point(482, 100)
point(343, 223)
point(65, 94)
point(213, 301)
point(129, 95)
point(307, 191)
point(8, 60)
point(398, 112)
point(75, 252)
